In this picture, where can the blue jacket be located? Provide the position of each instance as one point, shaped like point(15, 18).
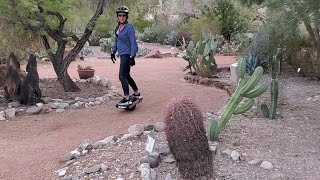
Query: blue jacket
point(126, 42)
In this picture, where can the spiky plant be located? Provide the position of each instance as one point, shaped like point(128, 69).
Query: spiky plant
point(187, 138)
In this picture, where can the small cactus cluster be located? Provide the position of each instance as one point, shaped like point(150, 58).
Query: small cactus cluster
point(187, 138)
point(275, 69)
point(245, 89)
point(201, 55)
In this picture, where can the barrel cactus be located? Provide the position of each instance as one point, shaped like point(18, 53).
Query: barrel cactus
point(187, 138)
point(245, 93)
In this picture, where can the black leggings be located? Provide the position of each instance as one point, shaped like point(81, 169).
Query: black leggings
point(124, 75)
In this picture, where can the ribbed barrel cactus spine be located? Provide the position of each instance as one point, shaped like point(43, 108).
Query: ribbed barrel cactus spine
point(246, 93)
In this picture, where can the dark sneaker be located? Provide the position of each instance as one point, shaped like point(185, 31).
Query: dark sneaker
point(124, 102)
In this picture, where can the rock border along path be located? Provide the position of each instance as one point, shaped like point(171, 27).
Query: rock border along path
point(60, 105)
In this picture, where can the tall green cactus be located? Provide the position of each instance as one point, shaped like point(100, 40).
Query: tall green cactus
point(274, 70)
point(245, 89)
point(201, 55)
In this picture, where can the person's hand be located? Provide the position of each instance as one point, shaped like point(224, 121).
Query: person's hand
point(132, 61)
point(113, 57)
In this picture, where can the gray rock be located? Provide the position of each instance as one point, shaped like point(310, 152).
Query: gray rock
point(2, 118)
point(235, 155)
point(74, 106)
point(63, 105)
point(96, 80)
point(266, 165)
point(125, 137)
point(62, 172)
point(103, 167)
point(78, 99)
point(155, 155)
point(46, 100)
point(86, 145)
point(243, 156)
point(10, 113)
point(57, 100)
point(113, 88)
point(163, 151)
point(154, 163)
point(91, 103)
point(39, 104)
point(132, 176)
point(68, 156)
point(14, 104)
point(2, 113)
point(169, 177)
point(159, 127)
point(76, 153)
point(68, 163)
point(104, 82)
point(97, 102)
point(169, 159)
point(54, 105)
point(92, 169)
point(226, 152)
point(84, 152)
point(34, 110)
point(255, 162)
point(100, 99)
point(136, 129)
point(103, 142)
point(60, 110)
point(213, 149)
point(147, 173)
point(148, 127)
point(106, 99)
point(91, 100)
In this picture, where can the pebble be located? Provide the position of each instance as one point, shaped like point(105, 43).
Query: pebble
point(266, 165)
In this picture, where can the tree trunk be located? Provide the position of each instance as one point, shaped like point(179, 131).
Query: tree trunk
point(63, 76)
point(61, 63)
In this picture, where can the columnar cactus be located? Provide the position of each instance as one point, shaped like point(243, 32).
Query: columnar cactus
point(246, 89)
point(201, 55)
point(275, 69)
point(187, 138)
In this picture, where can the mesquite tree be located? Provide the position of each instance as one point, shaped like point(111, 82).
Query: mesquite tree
point(47, 18)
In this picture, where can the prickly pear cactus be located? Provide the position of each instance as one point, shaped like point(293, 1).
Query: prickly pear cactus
point(187, 138)
point(201, 55)
point(246, 91)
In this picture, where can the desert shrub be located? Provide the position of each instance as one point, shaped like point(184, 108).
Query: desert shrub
point(157, 33)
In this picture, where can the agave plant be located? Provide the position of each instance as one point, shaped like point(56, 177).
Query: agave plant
point(251, 62)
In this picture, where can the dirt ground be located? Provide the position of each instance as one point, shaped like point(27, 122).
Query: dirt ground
point(32, 146)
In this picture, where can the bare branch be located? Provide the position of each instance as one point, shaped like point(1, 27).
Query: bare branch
point(60, 18)
point(91, 24)
point(48, 47)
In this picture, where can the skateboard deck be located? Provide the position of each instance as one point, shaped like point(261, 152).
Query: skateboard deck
point(132, 106)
